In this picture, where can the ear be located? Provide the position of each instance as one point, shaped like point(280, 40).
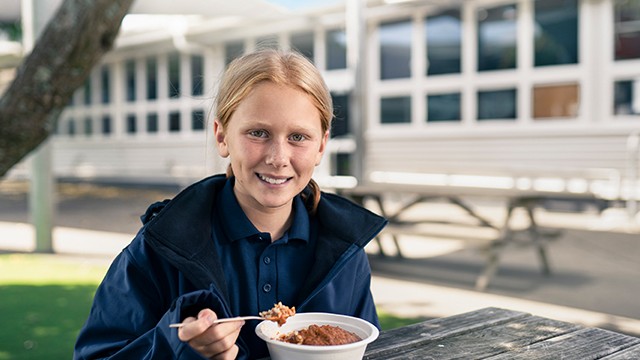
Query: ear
point(323, 147)
point(221, 140)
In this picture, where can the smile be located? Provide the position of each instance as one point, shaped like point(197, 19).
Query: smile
point(273, 181)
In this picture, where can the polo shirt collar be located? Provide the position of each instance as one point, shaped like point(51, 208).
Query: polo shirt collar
point(237, 226)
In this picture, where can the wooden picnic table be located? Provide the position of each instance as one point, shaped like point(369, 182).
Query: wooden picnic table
point(533, 236)
point(496, 334)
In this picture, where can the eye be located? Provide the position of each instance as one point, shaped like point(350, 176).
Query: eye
point(258, 133)
point(297, 137)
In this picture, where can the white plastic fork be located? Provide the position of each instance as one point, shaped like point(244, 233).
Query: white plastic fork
point(238, 318)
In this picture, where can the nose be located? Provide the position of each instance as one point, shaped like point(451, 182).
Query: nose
point(277, 154)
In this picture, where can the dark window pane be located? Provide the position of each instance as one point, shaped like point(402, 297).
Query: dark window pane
point(174, 75)
point(106, 84)
point(627, 30)
point(556, 32)
point(303, 43)
point(497, 104)
point(443, 107)
point(131, 124)
point(497, 33)
point(197, 120)
point(197, 74)
point(152, 123)
point(627, 97)
point(174, 121)
point(130, 79)
point(71, 127)
point(152, 78)
point(395, 50)
point(232, 50)
point(88, 126)
point(342, 164)
point(395, 110)
point(106, 125)
point(444, 34)
point(336, 49)
point(87, 91)
point(340, 126)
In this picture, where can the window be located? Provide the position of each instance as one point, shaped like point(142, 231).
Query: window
point(232, 50)
point(395, 50)
point(497, 33)
point(340, 126)
point(130, 80)
point(87, 91)
point(556, 32)
point(443, 32)
point(342, 164)
point(106, 84)
point(555, 101)
point(152, 78)
point(336, 49)
point(152, 123)
point(627, 30)
point(497, 104)
point(106, 125)
point(267, 42)
point(174, 121)
point(131, 124)
point(395, 110)
point(197, 74)
point(443, 107)
point(174, 75)
point(303, 43)
point(197, 120)
point(627, 97)
point(88, 126)
point(71, 127)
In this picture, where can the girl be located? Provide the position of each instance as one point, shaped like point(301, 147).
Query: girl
point(236, 244)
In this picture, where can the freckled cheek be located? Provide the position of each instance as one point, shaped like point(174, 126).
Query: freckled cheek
point(305, 162)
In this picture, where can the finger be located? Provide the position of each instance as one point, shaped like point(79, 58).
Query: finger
point(221, 344)
point(195, 327)
point(225, 333)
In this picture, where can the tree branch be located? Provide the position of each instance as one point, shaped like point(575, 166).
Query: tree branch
point(75, 39)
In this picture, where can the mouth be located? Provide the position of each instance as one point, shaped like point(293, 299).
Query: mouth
point(272, 180)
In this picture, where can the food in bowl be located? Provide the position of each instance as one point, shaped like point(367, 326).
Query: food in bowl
point(278, 313)
point(320, 335)
point(270, 332)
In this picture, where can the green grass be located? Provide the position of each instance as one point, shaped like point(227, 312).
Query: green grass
point(45, 299)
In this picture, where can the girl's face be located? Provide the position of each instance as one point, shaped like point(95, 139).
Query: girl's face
point(274, 140)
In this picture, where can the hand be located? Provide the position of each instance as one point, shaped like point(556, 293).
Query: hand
point(213, 341)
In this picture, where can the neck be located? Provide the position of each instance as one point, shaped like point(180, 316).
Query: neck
point(273, 221)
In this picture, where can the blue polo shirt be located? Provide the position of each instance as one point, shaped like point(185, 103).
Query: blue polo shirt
point(259, 272)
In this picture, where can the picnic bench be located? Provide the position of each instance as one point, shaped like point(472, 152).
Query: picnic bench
point(518, 190)
point(496, 334)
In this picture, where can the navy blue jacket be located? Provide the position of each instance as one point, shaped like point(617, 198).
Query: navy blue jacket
point(171, 271)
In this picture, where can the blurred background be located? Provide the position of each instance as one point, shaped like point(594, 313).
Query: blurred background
point(480, 101)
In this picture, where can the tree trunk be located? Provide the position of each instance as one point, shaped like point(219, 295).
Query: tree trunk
point(74, 40)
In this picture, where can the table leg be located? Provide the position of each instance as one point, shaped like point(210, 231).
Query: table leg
point(535, 238)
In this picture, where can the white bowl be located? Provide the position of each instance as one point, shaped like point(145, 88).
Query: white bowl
point(280, 350)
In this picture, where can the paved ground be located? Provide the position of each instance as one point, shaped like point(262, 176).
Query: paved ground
point(595, 263)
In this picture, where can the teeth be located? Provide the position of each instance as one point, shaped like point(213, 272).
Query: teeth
point(272, 181)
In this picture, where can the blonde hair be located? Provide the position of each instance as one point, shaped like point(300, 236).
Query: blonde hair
point(281, 68)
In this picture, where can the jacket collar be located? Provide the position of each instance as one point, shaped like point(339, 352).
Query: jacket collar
point(178, 233)
point(236, 225)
